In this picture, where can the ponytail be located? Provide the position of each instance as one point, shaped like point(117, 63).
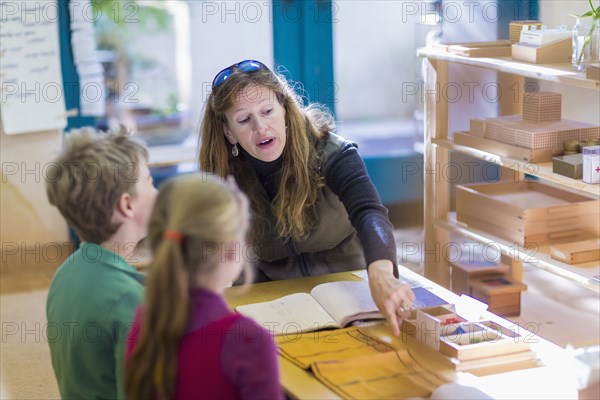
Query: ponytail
point(152, 368)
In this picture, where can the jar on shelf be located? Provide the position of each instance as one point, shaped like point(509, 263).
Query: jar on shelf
point(586, 42)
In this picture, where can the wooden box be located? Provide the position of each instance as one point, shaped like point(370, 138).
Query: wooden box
point(542, 106)
point(504, 149)
point(538, 135)
point(496, 48)
point(552, 134)
point(555, 52)
point(468, 345)
point(410, 326)
point(576, 252)
point(592, 71)
point(476, 127)
point(527, 212)
point(502, 295)
point(462, 271)
point(475, 340)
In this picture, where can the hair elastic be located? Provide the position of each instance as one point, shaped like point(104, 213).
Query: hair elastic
point(173, 235)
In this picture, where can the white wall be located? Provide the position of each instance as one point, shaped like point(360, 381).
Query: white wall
point(374, 56)
point(28, 220)
point(556, 12)
point(223, 33)
point(577, 104)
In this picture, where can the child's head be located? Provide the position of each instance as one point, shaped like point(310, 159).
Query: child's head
point(199, 226)
point(100, 182)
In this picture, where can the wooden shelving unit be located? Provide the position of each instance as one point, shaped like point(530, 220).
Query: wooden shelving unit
point(440, 221)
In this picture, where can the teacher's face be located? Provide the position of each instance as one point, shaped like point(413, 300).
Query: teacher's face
point(256, 121)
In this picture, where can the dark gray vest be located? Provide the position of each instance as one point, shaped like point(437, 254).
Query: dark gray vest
point(332, 244)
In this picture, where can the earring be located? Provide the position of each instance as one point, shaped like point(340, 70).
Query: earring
point(235, 151)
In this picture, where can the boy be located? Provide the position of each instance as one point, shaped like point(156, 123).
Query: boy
point(103, 188)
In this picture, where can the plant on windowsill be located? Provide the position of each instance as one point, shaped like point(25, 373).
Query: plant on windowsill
point(582, 41)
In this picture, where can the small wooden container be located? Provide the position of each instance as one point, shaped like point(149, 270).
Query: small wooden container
point(576, 252)
point(502, 295)
point(555, 52)
point(592, 71)
point(462, 271)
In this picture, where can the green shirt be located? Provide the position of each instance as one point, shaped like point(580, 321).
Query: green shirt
point(90, 308)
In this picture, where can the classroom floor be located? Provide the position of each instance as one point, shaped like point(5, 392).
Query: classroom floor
point(558, 310)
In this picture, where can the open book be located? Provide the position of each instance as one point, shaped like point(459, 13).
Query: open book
point(329, 305)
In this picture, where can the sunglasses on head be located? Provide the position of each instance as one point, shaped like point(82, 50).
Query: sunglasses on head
point(244, 66)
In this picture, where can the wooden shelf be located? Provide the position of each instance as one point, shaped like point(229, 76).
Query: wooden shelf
point(581, 274)
point(438, 146)
point(562, 73)
point(540, 170)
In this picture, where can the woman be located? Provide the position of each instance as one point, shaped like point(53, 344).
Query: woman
point(315, 209)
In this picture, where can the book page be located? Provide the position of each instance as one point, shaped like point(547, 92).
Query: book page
point(346, 301)
point(389, 375)
point(289, 315)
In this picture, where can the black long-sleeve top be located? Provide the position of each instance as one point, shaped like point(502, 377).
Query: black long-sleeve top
point(346, 176)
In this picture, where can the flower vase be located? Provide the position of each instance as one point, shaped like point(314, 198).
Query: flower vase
point(586, 43)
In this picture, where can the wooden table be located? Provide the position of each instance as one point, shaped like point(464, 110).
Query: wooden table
point(554, 380)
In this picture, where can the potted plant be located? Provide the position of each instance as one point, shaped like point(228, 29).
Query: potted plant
point(585, 37)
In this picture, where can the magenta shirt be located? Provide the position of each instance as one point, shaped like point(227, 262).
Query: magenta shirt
point(248, 356)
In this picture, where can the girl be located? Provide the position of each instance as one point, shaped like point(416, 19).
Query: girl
point(185, 342)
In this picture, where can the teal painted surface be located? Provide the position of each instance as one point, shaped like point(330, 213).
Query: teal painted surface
point(68, 70)
point(514, 10)
point(303, 46)
point(398, 178)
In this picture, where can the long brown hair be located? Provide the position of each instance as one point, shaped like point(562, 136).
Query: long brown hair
point(208, 214)
point(299, 180)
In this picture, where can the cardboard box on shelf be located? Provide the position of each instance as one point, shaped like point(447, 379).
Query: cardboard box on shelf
point(555, 52)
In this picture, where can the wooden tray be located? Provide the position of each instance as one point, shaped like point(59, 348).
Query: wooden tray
point(577, 252)
point(530, 201)
point(527, 212)
point(503, 149)
point(496, 48)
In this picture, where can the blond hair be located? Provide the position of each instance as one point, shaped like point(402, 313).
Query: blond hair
point(207, 214)
point(300, 179)
point(89, 177)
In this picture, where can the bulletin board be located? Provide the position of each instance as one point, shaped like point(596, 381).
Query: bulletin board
point(31, 85)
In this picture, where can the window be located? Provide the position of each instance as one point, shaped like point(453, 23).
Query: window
point(144, 49)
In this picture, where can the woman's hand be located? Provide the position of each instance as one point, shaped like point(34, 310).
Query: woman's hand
point(393, 298)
